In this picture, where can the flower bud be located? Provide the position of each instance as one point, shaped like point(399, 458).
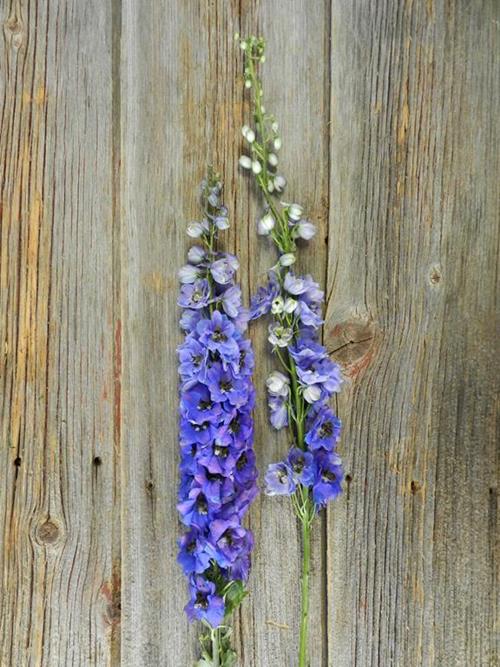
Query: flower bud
point(188, 274)
point(196, 254)
point(295, 212)
point(305, 230)
point(245, 162)
point(277, 305)
point(248, 83)
point(277, 144)
point(289, 306)
point(279, 183)
point(272, 159)
point(243, 45)
point(195, 230)
point(287, 259)
point(270, 186)
point(244, 130)
point(265, 225)
point(312, 393)
point(221, 222)
point(278, 384)
point(256, 167)
point(274, 127)
point(250, 136)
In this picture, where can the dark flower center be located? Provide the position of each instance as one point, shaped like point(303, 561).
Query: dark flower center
point(197, 359)
point(214, 477)
point(191, 547)
point(201, 601)
point(242, 461)
point(201, 427)
point(235, 426)
point(227, 537)
point(298, 465)
point(218, 336)
point(326, 430)
point(225, 386)
point(221, 452)
point(202, 505)
point(328, 476)
point(282, 476)
point(205, 405)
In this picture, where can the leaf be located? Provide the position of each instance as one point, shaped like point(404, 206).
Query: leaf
point(234, 596)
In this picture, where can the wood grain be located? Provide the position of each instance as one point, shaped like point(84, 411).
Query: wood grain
point(56, 332)
point(110, 112)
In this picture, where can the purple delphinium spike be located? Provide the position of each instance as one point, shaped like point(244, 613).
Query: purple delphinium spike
point(311, 472)
point(217, 468)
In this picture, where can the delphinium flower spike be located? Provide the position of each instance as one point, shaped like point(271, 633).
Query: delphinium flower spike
point(217, 469)
point(311, 472)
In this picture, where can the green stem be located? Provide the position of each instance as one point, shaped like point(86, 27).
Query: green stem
point(215, 648)
point(306, 566)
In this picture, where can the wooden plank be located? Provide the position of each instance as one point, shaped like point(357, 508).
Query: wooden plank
point(163, 128)
point(413, 236)
point(297, 34)
point(56, 332)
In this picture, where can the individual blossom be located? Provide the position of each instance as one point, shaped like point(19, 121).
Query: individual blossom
point(205, 604)
point(217, 464)
point(324, 429)
point(328, 478)
point(279, 480)
point(301, 463)
point(261, 302)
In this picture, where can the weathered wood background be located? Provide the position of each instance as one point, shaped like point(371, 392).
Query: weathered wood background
point(110, 110)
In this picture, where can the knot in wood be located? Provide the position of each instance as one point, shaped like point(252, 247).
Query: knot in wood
point(353, 344)
point(48, 532)
point(13, 31)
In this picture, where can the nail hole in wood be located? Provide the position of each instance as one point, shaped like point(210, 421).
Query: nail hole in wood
point(17, 461)
point(97, 461)
point(348, 478)
point(415, 487)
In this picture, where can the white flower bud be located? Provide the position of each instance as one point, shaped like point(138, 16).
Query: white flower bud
point(279, 183)
point(272, 159)
point(188, 274)
point(222, 223)
point(277, 144)
point(305, 230)
point(243, 46)
point(312, 393)
point(270, 186)
point(250, 136)
point(196, 254)
point(295, 212)
point(287, 259)
point(289, 306)
point(256, 167)
point(248, 83)
point(265, 225)
point(263, 59)
point(195, 230)
point(245, 162)
point(277, 305)
point(274, 127)
point(278, 384)
point(244, 130)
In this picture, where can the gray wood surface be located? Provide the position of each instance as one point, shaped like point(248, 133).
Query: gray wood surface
point(109, 113)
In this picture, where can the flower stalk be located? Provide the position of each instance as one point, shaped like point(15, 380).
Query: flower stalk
point(217, 469)
point(311, 473)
